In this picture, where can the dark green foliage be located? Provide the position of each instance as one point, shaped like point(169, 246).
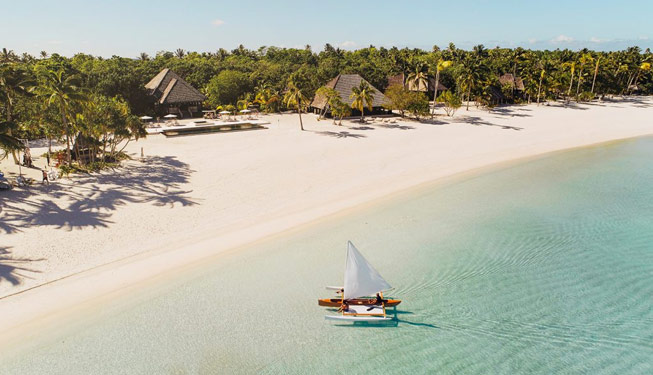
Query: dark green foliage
point(227, 87)
point(262, 76)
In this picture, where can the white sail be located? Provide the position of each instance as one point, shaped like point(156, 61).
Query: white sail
point(361, 279)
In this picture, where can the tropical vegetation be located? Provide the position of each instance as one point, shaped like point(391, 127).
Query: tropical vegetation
point(52, 96)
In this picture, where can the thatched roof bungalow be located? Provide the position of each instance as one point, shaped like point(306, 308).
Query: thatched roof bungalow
point(515, 83)
point(172, 94)
point(401, 79)
point(343, 84)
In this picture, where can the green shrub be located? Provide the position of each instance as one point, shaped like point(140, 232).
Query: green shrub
point(451, 102)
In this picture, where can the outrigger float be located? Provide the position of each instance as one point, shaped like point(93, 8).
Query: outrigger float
point(361, 281)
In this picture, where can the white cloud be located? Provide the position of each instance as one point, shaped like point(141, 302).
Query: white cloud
point(597, 40)
point(217, 22)
point(532, 41)
point(347, 44)
point(643, 38)
point(562, 39)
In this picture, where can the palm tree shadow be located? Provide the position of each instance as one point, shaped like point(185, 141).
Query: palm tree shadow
point(396, 126)
point(478, 121)
point(341, 134)
point(12, 269)
point(95, 197)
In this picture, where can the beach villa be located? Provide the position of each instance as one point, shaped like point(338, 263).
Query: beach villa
point(401, 79)
point(173, 95)
point(343, 84)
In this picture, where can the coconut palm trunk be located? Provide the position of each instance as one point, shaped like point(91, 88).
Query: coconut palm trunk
point(580, 78)
point(469, 94)
point(299, 111)
point(539, 88)
point(9, 110)
point(435, 91)
point(67, 130)
point(596, 72)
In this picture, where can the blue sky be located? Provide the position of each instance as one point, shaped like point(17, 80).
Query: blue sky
point(126, 28)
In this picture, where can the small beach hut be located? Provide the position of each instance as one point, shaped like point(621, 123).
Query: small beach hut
point(343, 84)
point(401, 79)
point(513, 82)
point(173, 95)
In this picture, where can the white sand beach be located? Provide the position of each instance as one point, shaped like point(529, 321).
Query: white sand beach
point(193, 197)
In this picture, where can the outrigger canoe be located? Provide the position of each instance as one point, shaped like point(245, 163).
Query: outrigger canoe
point(361, 281)
point(337, 302)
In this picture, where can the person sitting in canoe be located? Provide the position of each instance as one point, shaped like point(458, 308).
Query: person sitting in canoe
point(344, 307)
point(379, 300)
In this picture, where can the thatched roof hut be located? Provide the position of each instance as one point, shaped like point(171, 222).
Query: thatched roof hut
point(401, 79)
point(513, 82)
point(343, 84)
point(170, 90)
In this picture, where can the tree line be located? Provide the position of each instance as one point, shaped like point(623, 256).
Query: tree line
point(94, 101)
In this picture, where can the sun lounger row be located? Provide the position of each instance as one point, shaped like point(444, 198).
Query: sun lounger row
point(382, 120)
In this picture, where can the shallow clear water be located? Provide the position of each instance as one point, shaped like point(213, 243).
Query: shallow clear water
point(544, 267)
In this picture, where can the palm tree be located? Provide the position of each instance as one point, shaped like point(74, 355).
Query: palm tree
point(330, 95)
point(143, 56)
point(644, 67)
point(418, 78)
point(44, 55)
point(539, 85)
point(180, 53)
point(467, 76)
point(7, 55)
point(295, 97)
point(339, 109)
point(596, 72)
point(440, 66)
point(63, 92)
point(363, 94)
point(9, 143)
point(268, 99)
point(585, 59)
point(14, 82)
point(244, 103)
point(572, 70)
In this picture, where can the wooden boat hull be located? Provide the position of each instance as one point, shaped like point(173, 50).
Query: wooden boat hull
point(336, 302)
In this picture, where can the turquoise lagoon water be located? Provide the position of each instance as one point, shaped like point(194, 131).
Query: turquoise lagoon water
point(545, 267)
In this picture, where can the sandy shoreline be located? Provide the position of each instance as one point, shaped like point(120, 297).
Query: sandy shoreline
point(108, 233)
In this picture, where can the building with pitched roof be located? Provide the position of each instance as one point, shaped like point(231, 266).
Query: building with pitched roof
point(173, 95)
point(401, 79)
point(511, 81)
point(343, 84)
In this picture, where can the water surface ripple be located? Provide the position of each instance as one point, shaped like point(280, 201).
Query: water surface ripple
point(541, 268)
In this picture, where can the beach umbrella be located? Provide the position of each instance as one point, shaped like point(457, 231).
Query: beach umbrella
point(170, 116)
point(225, 112)
point(245, 111)
point(145, 118)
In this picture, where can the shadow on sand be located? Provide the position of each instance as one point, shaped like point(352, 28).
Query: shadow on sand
point(395, 126)
point(93, 197)
point(511, 111)
point(12, 269)
point(340, 134)
point(478, 121)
